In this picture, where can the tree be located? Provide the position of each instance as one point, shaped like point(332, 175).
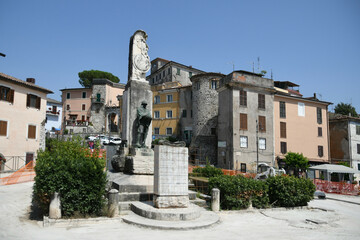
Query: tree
point(296, 161)
point(345, 109)
point(87, 77)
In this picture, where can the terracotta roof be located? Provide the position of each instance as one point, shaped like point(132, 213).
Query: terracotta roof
point(6, 77)
point(336, 116)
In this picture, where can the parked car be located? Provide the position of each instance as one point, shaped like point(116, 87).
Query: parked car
point(92, 138)
point(104, 140)
point(115, 140)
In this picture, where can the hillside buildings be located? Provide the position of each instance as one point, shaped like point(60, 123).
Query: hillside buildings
point(53, 116)
point(22, 120)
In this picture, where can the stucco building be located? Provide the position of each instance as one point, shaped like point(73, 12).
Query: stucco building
point(301, 125)
point(53, 115)
point(92, 110)
point(345, 140)
point(245, 121)
point(22, 120)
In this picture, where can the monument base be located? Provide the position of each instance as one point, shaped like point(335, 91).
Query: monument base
point(140, 161)
point(171, 201)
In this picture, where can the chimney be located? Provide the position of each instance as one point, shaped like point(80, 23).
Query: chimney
point(315, 95)
point(30, 80)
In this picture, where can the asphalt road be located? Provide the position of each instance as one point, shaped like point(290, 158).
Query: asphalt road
point(334, 220)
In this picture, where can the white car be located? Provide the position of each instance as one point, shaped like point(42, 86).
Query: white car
point(104, 140)
point(115, 140)
point(92, 138)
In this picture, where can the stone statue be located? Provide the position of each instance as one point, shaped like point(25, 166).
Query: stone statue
point(143, 121)
point(139, 60)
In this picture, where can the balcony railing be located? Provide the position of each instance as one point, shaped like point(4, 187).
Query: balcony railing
point(98, 100)
point(79, 123)
point(53, 112)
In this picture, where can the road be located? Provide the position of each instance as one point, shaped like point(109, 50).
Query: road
point(336, 220)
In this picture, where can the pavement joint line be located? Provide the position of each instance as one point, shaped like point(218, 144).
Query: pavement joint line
point(340, 200)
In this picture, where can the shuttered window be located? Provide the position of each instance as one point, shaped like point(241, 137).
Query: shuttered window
point(32, 132)
point(6, 94)
point(282, 129)
point(282, 110)
point(283, 147)
point(262, 124)
point(319, 115)
point(261, 101)
point(33, 101)
point(358, 148)
point(3, 128)
point(243, 98)
point(319, 132)
point(243, 121)
point(320, 151)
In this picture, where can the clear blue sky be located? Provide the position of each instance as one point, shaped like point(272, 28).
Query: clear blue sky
point(315, 44)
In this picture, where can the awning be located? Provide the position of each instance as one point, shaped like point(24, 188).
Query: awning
point(332, 168)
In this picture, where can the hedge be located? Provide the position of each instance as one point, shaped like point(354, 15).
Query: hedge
point(77, 174)
point(289, 191)
point(208, 171)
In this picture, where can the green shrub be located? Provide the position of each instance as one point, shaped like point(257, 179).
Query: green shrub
point(208, 171)
point(70, 169)
point(237, 191)
point(287, 191)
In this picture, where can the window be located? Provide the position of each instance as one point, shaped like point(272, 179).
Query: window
point(152, 81)
point(358, 148)
point(156, 131)
point(177, 71)
point(169, 70)
point(83, 94)
point(319, 115)
point(6, 94)
point(213, 84)
point(83, 118)
point(243, 141)
point(282, 110)
point(197, 86)
point(169, 98)
point(168, 131)
point(169, 114)
point(190, 74)
point(3, 128)
point(243, 121)
point(262, 143)
point(67, 106)
point(157, 100)
point(98, 97)
point(184, 113)
point(243, 167)
point(319, 132)
point(243, 98)
point(31, 131)
point(164, 73)
point(320, 151)
point(261, 101)
point(191, 114)
point(301, 109)
point(283, 147)
point(213, 131)
point(68, 95)
point(262, 124)
point(282, 129)
point(358, 166)
point(156, 114)
point(357, 130)
point(83, 107)
point(33, 101)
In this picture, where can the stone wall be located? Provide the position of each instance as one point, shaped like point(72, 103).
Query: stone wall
point(98, 117)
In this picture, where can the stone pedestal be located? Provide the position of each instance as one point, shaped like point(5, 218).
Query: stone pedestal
point(171, 177)
point(139, 161)
point(135, 92)
point(55, 206)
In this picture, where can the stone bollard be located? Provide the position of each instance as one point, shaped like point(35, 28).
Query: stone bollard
point(113, 203)
point(55, 206)
point(215, 200)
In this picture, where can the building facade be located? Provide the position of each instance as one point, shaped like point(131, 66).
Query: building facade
point(22, 120)
point(92, 110)
point(53, 116)
point(301, 126)
point(345, 140)
point(245, 121)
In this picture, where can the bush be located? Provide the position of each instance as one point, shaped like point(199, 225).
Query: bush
point(208, 171)
point(286, 191)
point(237, 191)
point(69, 168)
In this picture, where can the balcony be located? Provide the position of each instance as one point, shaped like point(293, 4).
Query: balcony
point(78, 123)
point(51, 112)
point(98, 100)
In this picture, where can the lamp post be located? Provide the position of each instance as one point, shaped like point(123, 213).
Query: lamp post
point(257, 146)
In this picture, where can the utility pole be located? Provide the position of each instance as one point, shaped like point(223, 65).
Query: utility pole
point(257, 147)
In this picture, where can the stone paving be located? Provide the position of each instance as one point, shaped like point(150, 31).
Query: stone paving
point(325, 219)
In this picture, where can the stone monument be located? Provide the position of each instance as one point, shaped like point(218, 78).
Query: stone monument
point(137, 156)
point(171, 177)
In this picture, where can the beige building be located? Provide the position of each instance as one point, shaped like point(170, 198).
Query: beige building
point(301, 125)
point(92, 110)
point(22, 120)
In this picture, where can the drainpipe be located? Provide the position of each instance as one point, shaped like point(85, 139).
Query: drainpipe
point(350, 147)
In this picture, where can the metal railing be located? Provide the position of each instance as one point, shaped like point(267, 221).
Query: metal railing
point(13, 163)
